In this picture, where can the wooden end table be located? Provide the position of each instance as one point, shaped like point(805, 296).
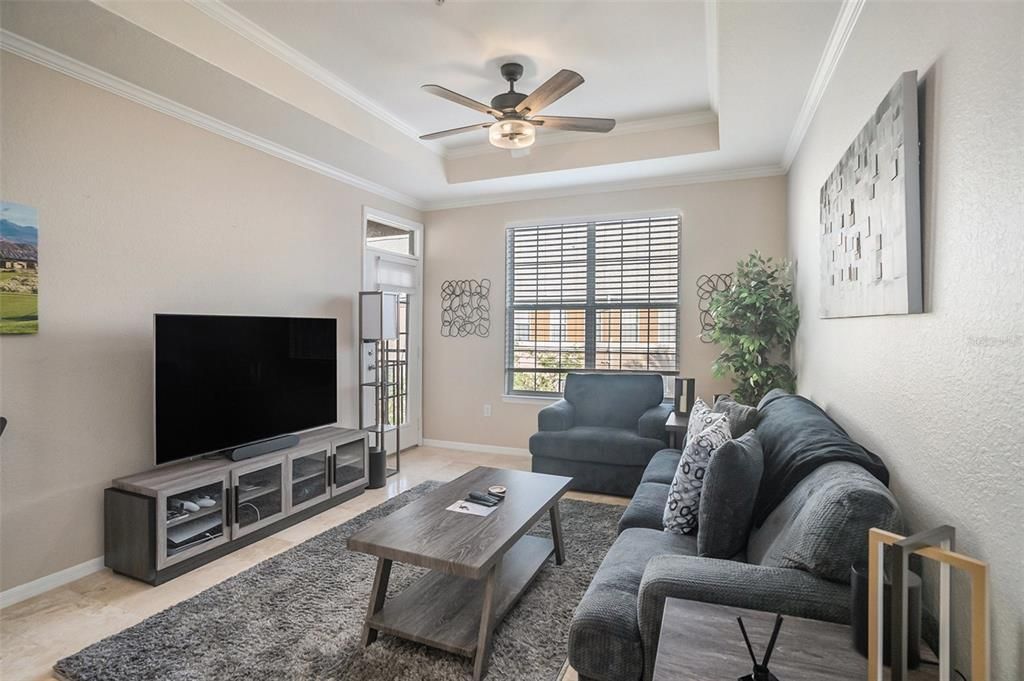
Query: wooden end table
point(676, 424)
point(480, 566)
point(703, 641)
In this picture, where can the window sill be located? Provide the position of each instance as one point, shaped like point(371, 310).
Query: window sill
point(530, 399)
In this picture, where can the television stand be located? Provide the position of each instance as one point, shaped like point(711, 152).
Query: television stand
point(167, 521)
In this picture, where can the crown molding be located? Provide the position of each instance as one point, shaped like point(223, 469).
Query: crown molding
point(849, 12)
point(609, 187)
point(546, 139)
point(711, 42)
point(40, 54)
point(245, 27)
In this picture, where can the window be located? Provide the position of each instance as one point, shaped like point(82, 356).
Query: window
point(389, 238)
point(599, 296)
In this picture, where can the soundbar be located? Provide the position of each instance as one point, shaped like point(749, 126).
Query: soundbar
point(274, 444)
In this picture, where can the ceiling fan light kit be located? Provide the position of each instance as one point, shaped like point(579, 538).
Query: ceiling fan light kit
point(515, 112)
point(512, 134)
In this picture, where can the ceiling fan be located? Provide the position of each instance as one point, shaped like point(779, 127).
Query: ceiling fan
point(516, 113)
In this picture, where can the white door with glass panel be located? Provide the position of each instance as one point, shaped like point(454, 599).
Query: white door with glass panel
point(392, 263)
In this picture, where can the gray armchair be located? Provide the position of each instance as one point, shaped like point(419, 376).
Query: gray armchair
point(604, 431)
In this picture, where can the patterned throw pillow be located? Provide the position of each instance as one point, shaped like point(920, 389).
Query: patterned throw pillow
point(701, 417)
point(683, 503)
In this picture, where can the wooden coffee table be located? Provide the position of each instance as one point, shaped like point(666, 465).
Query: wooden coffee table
point(703, 641)
point(480, 566)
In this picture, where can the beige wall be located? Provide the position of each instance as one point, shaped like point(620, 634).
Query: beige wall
point(139, 213)
point(937, 395)
point(722, 222)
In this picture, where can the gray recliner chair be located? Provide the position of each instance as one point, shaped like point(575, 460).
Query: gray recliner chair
point(604, 431)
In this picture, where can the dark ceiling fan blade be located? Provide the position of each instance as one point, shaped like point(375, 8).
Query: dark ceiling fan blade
point(555, 87)
point(574, 123)
point(455, 131)
point(451, 96)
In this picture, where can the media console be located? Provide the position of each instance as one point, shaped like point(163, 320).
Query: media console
point(165, 522)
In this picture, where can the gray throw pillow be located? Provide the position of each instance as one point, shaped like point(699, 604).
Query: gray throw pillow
point(727, 501)
point(742, 417)
point(681, 507)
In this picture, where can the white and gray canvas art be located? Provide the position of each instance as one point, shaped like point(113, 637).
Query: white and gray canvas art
point(871, 215)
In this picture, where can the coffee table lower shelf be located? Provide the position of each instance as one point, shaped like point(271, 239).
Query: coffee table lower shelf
point(444, 611)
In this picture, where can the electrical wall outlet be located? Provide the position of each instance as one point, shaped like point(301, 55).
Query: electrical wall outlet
point(487, 410)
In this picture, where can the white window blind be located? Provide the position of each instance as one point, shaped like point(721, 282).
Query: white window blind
point(596, 296)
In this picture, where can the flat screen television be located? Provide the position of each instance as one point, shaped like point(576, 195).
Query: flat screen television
point(222, 382)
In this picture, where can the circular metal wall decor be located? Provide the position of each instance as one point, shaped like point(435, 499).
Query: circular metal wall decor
point(707, 286)
point(465, 310)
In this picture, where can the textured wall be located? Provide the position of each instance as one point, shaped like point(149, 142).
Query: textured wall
point(938, 395)
point(722, 223)
point(139, 213)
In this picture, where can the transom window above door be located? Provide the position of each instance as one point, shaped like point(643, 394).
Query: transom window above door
point(597, 296)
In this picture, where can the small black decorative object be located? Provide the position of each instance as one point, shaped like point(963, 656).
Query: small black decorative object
point(761, 671)
point(707, 286)
point(465, 310)
point(685, 394)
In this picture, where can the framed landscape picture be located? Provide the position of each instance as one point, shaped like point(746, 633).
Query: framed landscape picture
point(19, 269)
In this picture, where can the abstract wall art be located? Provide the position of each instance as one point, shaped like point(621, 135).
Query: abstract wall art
point(870, 215)
point(465, 309)
point(19, 269)
point(707, 286)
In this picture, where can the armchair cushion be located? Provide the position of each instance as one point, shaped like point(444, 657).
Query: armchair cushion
point(652, 422)
point(557, 416)
point(596, 444)
point(613, 400)
point(726, 582)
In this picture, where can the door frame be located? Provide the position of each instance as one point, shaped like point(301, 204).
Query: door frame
point(415, 318)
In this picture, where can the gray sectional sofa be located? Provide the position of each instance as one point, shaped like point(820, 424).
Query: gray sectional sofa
point(796, 562)
point(603, 432)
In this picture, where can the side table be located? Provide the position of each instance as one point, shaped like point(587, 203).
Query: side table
point(675, 424)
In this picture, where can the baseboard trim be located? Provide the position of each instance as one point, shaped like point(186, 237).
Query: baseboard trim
point(473, 447)
point(25, 591)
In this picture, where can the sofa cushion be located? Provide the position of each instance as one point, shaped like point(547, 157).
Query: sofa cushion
point(662, 467)
point(646, 507)
point(597, 444)
point(797, 437)
point(742, 417)
point(822, 526)
point(613, 400)
point(604, 636)
point(684, 496)
point(727, 498)
point(700, 418)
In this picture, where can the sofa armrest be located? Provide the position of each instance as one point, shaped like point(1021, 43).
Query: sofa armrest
point(727, 582)
point(652, 422)
point(557, 416)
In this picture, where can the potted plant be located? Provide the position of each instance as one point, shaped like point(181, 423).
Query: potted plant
point(755, 322)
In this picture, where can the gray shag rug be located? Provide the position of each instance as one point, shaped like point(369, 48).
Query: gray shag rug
point(299, 615)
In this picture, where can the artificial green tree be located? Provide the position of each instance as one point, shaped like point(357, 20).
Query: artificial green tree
point(755, 322)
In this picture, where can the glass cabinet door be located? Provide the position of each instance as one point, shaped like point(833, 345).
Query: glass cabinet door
point(309, 481)
point(194, 519)
point(350, 465)
point(259, 495)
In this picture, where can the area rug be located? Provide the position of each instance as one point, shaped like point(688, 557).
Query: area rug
point(299, 614)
